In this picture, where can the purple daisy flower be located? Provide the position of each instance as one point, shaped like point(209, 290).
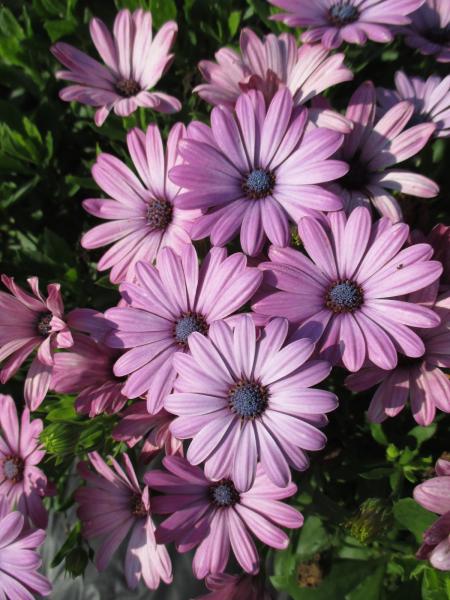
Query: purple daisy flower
point(112, 505)
point(245, 400)
point(372, 148)
point(255, 170)
point(214, 515)
point(144, 217)
point(430, 98)
point(19, 557)
point(223, 586)
point(429, 31)
point(419, 379)
point(434, 495)
point(135, 62)
point(333, 22)
point(347, 295)
point(270, 64)
point(165, 305)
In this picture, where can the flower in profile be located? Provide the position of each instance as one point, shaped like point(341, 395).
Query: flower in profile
point(270, 64)
point(255, 170)
point(214, 515)
point(112, 505)
point(134, 63)
point(165, 305)
point(430, 99)
point(137, 423)
point(87, 369)
point(421, 380)
point(372, 148)
point(333, 22)
point(30, 322)
point(245, 400)
point(429, 31)
point(434, 495)
point(143, 215)
point(19, 557)
point(348, 294)
point(22, 483)
point(235, 587)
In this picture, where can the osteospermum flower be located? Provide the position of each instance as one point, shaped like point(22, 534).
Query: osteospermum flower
point(134, 63)
point(165, 305)
point(256, 170)
point(348, 294)
point(434, 495)
point(373, 147)
point(22, 483)
point(113, 505)
point(137, 424)
point(333, 22)
point(19, 557)
point(430, 98)
point(143, 215)
point(429, 31)
point(270, 64)
point(420, 380)
point(235, 587)
point(214, 515)
point(245, 400)
point(30, 322)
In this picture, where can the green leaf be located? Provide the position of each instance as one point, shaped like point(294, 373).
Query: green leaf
point(313, 538)
point(233, 21)
point(163, 11)
point(376, 429)
point(411, 516)
point(435, 585)
point(422, 434)
point(370, 588)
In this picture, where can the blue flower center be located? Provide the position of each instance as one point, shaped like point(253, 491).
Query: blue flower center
point(187, 324)
point(248, 399)
point(127, 87)
point(44, 324)
point(159, 214)
point(13, 467)
point(223, 494)
point(258, 184)
point(344, 296)
point(343, 13)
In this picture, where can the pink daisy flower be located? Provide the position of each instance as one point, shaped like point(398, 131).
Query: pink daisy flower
point(87, 370)
point(134, 63)
point(373, 147)
point(434, 495)
point(19, 557)
point(429, 31)
point(333, 22)
point(137, 424)
point(255, 170)
point(22, 483)
point(270, 64)
point(165, 306)
point(439, 238)
point(347, 295)
point(111, 506)
point(29, 323)
point(245, 400)
point(430, 99)
point(214, 515)
point(235, 587)
point(420, 380)
point(143, 215)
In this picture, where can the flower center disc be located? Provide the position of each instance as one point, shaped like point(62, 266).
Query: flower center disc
point(223, 494)
point(248, 399)
point(137, 506)
point(127, 87)
point(344, 296)
point(258, 184)
point(43, 325)
point(159, 214)
point(343, 14)
point(13, 467)
point(187, 324)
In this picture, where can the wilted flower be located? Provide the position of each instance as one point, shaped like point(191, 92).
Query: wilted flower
point(135, 61)
point(429, 31)
point(214, 515)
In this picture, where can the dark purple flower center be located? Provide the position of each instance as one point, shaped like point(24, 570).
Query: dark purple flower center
point(43, 325)
point(357, 178)
point(343, 13)
point(248, 399)
point(258, 184)
point(137, 506)
point(127, 87)
point(13, 467)
point(223, 494)
point(344, 296)
point(187, 324)
point(439, 35)
point(159, 214)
